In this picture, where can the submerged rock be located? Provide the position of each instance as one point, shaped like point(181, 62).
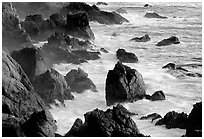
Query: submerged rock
point(110, 123)
point(78, 81)
point(126, 57)
point(147, 5)
point(169, 41)
point(152, 116)
point(154, 15)
point(144, 38)
point(124, 84)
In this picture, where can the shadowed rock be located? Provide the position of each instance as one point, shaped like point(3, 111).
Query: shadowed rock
point(158, 95)
point(124, 84)
point(152, 117)
point(101, 3)
point(103, 50)
point(169, 41)
point(144, 38)
point(126, 57)
point(147, 5)
point(154, 15)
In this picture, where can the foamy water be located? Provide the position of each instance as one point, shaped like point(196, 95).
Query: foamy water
point(181, 94)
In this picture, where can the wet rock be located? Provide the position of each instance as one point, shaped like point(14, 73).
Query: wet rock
point(124, 84)
point(76, 130)
point(94, 13)
point(144, 38)
point(86, 55)
point(173, 120)
point(169, 41)
point(158, 95)
point(13, 36)
point(121, 11)
point(126, 57)
point(147, 5)
point(154, 15)
point(101, 3)
point(79, 82)
point(152, 117)
point(109, 123)
point(103, 50)
point(125, 111)
point(20, 101)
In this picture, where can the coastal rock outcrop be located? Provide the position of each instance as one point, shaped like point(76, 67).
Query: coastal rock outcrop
point(126, 57)
point(101, 3)
point(154, 15)
point(144, 38)
point(124, 84)
point(158, 95)
point(78, 81)
point(169, 41)
point(152, 117)
point(110, 123)
point(93, 13)
point(20, 102)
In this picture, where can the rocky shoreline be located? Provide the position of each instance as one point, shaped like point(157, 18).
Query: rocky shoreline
point(30, 84)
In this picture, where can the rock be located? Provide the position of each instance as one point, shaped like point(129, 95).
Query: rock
point(152, 116)
point(76, 130)
point(124, 84)
point(52, 86)
point(154, 15)
point(58, 135)
point(109, 123)
point(147, 5)
point(125, 111)
point(144, 38)
point(79, 82)
point(193, 133)
point(20, 101)
point(12, 32)
point(158, 95)
point(93, 13)
point(126, 57)
point(121, 11)
point(103, 50)
point(173, 120)
point(101, 3)
point(58, 19)
point(169, 41)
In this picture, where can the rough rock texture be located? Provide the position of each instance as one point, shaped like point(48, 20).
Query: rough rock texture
point(110, 123)
point(169, 41)
point(94, 13)
point(173, 120)
point(154, 15)
point(152, 116)
point(79, 82)
point(144, 38)
point(124, 84)
point(158, 95)
point(13, 36)
point(126, 57)
point(19, 101)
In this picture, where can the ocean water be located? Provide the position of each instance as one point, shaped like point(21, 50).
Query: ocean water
point(185, 22)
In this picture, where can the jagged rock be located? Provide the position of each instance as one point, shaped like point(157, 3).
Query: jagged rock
point(58, 19)
point(103, 50)
point(125, 111)
point(158, 95)
point(110, 123)
point(101, 3)
point(124, 84)
point(126, 57)
point(152, 116)
point(12, 32)
point(94, 13)
point(154, 15)
point(79, 82)
point(20, 101)
point(169, 41)
point(121, 11)
point(173, 120)
point(144, 38)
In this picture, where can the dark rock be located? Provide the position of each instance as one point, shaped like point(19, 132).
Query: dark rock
point(158, 95)
point(114, 34)
point(144, 38)
point(154, 15)
point(58, 135)
point(109, 123)
point(147, 5)
point(124, 84)
point(58, 19)
point(173, 120)
point(193, 133)
point(86, 55)
point(121, 11)
point(20, 101)
point(169, 41)
point(79, 82)
point(170, 66)
point(93, 13)
point(126, 57)
point(124, 110)
point(103, 50)
point(101, 3)
point(152, 116)
point(13, 36)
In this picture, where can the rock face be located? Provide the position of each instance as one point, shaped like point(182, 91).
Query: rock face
point(173, 120)
point(20, 102)
point(154, 15)
point(169, 41)
point(78, 81)
point(144, 38)
point(158, 95)
point(124, 84)
point(12, 32)
point(126, 57)
point(152, 116)
point(93, 13)
point(110, 123)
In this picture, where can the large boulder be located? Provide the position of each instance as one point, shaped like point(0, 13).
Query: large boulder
point(126, 57)
point(20, 102)
point(174, 120)
point(154, 15)
point(110, 123)
point(93, 13)
point(124, 84)
point(169, 41)
point(12, 32)
point(78, 81)
point(158, 95)
point(144, 38)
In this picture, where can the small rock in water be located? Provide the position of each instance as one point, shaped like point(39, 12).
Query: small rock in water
point(158, 95)
point(169, 41)
point(126, 57)
point(144, 38)
point(103, 50)
point(152, 116)
point(154, 15)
